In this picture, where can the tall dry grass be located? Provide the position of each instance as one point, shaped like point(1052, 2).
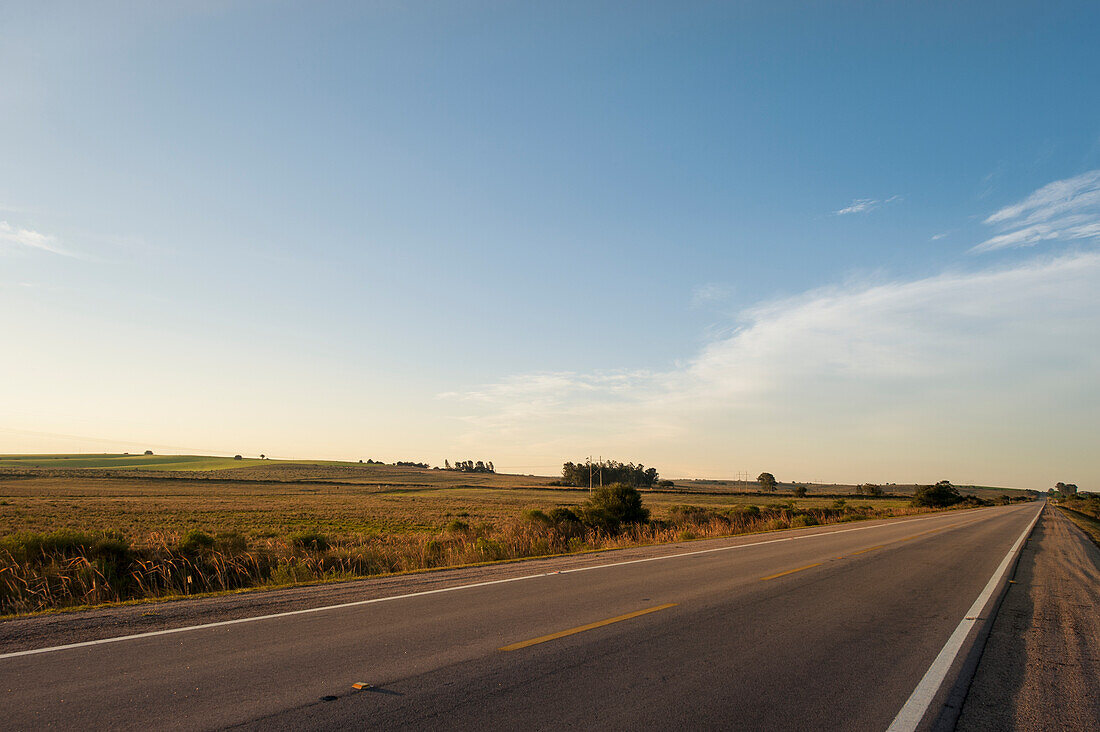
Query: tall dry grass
point(64, 569)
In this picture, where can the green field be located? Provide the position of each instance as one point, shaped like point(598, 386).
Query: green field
point(124, 461)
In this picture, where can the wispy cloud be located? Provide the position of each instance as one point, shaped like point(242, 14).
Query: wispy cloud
point(863, 205)
point(709, 294)
point(1064, 210)
point(16, 237)
point(832, 366)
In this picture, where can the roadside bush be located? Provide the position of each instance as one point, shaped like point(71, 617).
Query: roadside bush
point(536, 516)
point(940, 495)
point(311, 540)
point(232, 542)
point(196, 541)
point(458, 527)
point(612, 506)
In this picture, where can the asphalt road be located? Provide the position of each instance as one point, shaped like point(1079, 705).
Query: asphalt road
point(829, 629)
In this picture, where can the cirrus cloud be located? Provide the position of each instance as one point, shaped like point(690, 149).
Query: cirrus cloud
point(1064, 210)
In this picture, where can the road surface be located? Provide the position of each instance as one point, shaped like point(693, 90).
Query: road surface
point(829, 628)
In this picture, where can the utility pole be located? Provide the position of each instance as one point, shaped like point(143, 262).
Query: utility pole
point(601, 471)
point(589, 459)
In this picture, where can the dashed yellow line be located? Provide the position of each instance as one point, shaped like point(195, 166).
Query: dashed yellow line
point(791, 571)
point(868, 549)
point(582, 628)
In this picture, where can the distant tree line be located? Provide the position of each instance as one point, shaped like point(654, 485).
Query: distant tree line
point(609, 472)
point(410, 464)
point(470, 466)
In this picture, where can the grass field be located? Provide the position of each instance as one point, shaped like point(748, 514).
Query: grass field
point(142, 507)
point(86, 529)
point(125, 461)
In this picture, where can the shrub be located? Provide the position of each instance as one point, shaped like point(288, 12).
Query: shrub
point(800, 491)
point(490, 549)
point(310, 540)
point(534, 515)
point(611, 506)
point(937, 496)
point(458, 527)
point(232, 542)
point(196, 541)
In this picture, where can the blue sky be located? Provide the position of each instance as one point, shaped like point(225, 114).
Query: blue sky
point(712, 237)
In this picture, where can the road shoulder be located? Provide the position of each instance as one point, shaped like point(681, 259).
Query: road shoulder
point(1041, 664)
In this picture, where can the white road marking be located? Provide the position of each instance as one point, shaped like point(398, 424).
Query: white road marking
point(917, 705)
point(356, 603)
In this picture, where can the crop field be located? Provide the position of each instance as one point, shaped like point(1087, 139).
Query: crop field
point(82, 530)
point(140, 508)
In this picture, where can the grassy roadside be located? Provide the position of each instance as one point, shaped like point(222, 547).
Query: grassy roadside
point(43, 572)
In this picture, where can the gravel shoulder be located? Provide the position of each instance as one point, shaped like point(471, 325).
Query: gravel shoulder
point(1040, 669)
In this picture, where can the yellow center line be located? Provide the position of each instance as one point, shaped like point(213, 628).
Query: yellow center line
point(871, 548)
point(791, 571)
point(582, 628)
point(868, 549)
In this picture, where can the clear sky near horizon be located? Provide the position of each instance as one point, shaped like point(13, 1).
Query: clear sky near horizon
point(836, 241)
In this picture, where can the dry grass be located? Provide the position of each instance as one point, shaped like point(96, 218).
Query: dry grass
point(258, 510)
point(78, 538)
point(1085, 512)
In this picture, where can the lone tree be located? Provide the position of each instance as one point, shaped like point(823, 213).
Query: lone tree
point(766, 481)
point(148, 452)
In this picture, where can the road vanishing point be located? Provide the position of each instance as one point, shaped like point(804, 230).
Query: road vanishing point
point(865, 626)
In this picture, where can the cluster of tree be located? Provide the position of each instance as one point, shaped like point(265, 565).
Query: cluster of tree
point(608, 472)
point(937, 496)
point(766, 481)
point(409, 464)
point(469, 466)
point(610, 509)
point(1065, 489)
point(870, 489)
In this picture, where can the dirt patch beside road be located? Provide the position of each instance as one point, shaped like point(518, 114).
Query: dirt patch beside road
point(1040, 669)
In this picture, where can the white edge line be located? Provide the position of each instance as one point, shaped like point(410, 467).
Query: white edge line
point(917, 705)
point(371, 601)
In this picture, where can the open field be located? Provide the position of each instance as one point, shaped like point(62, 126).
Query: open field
point(91, 534)
point(377, 474)
point(257, 510)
